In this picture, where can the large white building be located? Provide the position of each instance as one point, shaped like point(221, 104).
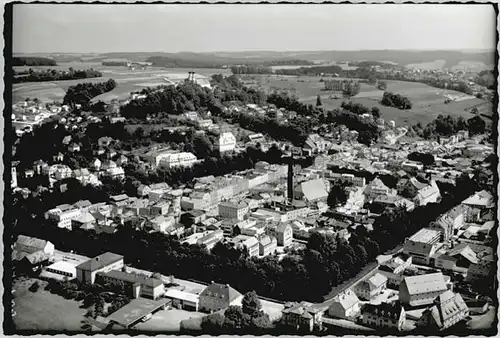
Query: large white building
point(175, 160)
point(226, 142)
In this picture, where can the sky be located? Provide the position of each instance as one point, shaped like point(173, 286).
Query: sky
point(50, 28)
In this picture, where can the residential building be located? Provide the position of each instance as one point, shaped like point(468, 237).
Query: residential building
point(26, 245)
point(104, 141)
point(448, 309)
point(85, 221)
point(135, 285)
point(420, 193)
point(267, 245)
point(315, 144)
point(394, 202)
point(371, 287)
point(450, 221)
point(283, 233)
point(302, 316)
point(216, 297)
point(421, 290)
point(345, 305)
point(63, 218)
point(377, 188)
point(248, 242)
point(87, 271)
point(73, 148)
point(233, 210)
point(422, 245)
point(161, 223)
point(226, 142)
point(175, 160)
point(385, 316)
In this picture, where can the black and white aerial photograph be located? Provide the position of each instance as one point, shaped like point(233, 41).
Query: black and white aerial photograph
point(250, 169)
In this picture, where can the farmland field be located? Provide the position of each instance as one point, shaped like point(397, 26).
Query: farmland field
point(428, 102)
point(436, 64)
point(127, 80)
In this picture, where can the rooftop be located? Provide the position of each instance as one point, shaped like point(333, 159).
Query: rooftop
point(100, 261)
point(425, 235)
point(425, 283)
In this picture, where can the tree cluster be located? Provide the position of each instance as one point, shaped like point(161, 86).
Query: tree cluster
point(32, 61)
point(424, 158)
point(251, 69)
point(315, 70)
point(449, 125)
point(351, 88)
point(82, 93)
point(248, 318)
point(338, 194)
point(288, 62)
point(396, 100)
point(56, 75)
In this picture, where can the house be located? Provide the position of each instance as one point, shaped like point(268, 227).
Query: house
point(394, 202)
point(447, 310)
point(161, 223)
point(233, 210)
point(450, 221)
point(384, 316)
point(267, 245)
point(250, 243)
point(421, 290)
point(26, 245)
point(463, 255)
point(283, 233)
point(345, 305)
point(311, 191)
point(377, 188)
point(73, 148)
point(422, 245)
point(82, 175)
point(134, 285)
point(478, 204)
point(302, 316)
point(216, 297)
point(315, 144)
point(86, 272)
point(226, 142)
point(394, 268)
point(121, 160)
point(58, 158)
point(63, 218)
point(420, 193)
point(175, 160)
point(371, 287)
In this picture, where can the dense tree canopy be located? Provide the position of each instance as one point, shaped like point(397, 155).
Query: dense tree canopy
point(82, 93)
point(54, 75)
point(396, 100)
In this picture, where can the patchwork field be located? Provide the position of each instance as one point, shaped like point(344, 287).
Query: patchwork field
point(128, 81)
point(428, 102)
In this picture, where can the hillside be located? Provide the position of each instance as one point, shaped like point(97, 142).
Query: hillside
point(190, 59)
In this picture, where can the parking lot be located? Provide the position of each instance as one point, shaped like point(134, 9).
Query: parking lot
point(167, 320)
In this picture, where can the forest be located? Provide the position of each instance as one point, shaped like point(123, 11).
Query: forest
point(54, 75)
point(32, 61)
point(82, 93)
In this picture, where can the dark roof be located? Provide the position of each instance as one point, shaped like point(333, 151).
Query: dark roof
point(220, 291)
point(135, 310)
point(100, 261)
point(385, 310)
point(132, 278)
point(30, 244)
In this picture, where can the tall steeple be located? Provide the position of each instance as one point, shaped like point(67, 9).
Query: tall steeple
point(290, 191)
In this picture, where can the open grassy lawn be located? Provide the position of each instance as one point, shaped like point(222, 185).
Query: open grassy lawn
point(167, 320)
point(128, 80)
point(42, 310)
point(428, 102)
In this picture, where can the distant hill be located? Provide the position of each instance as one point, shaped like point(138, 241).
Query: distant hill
point(32, 61)
point(217, 59)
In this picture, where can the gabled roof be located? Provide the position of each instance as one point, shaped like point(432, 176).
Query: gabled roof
point(222, 292)
point(425, 283)
point(100, 261)
point(376, 281)
point(465, 251)
point(30, 244)
point(447, 305)
point(347, 300)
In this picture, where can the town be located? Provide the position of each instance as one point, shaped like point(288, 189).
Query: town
point(206, 204)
